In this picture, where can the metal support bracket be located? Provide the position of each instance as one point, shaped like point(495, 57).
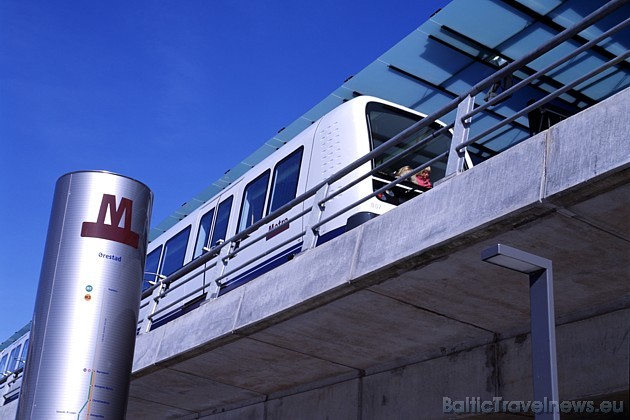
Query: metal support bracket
point(456, 160)
point(222, 262)
point(311, 235)
point(155, 297)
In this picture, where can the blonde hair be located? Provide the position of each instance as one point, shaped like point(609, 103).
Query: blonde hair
point(403, 171)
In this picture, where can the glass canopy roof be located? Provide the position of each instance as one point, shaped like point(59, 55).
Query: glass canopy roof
point(456, 48)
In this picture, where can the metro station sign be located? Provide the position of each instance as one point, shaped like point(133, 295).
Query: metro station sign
point(113, 231)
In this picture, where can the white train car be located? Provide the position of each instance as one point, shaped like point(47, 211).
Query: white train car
point(339, 138)
point(13, 353)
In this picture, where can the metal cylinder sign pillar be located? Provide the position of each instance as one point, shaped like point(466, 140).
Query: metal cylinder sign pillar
point(84, 324)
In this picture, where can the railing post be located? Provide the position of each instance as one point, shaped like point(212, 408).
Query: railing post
point(155, 297)
point(455, 164)
point(222, 262)
point(311, 234)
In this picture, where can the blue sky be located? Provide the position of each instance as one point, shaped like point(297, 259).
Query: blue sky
point(172, 93)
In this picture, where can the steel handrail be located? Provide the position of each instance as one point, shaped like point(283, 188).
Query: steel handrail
point(508, 92)
point(546, 99)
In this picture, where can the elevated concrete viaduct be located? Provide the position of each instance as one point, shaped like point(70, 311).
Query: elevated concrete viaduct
point(389, 319)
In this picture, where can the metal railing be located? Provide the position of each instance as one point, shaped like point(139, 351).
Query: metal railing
point(12, 376)
point(218, 257)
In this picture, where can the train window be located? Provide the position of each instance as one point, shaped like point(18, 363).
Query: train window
point(223, 217)
point(285, 180)
point(151, 268)
point(386, 121)
point(220, 227)
point(3, 363)
point(22, 360)
point(174, 252)
point(253, 201)
point(13, 359)
point(205, 227)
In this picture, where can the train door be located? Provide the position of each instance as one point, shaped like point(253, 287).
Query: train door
point(209, 230)
point(213, 231)
point(281, 182)
point(203, 243)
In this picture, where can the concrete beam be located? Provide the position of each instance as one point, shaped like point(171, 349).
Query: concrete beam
point(500, 369)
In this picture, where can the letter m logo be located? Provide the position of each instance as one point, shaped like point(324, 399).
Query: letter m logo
point(113, 231)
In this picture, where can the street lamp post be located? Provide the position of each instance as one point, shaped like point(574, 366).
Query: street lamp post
point(544, 368)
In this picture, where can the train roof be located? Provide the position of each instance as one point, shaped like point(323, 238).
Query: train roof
point(16, 336)
point(460, 45)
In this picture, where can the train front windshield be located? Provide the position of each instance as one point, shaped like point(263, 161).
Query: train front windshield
point(385, 122)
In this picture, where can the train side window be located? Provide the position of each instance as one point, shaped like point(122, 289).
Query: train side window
point(385, 122)
point(13, 358)
point(205, 228)
point(151, 268)
point(174, 252)
point(3, 363)
point(285, 180)
point(223, 217)
point(253, 201)
point(22, 360)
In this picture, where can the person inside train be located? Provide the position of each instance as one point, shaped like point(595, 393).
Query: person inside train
point(421, 179)
point(403, 171)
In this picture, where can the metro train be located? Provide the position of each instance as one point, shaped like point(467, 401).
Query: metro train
point(12, 359)
point(340, 137)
